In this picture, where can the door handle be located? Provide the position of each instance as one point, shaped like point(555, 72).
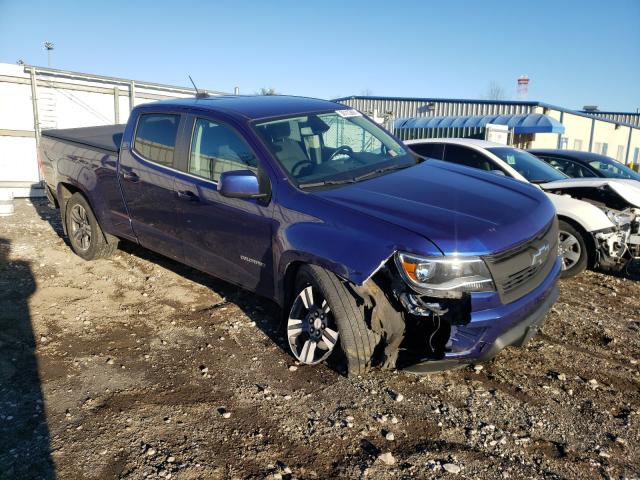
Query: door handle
point(187, 195)
point(131, 177)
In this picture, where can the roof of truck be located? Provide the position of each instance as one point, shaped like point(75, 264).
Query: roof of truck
point(253, 107)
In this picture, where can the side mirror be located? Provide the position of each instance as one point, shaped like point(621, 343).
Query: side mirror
point(497, 172)
point(240, 184)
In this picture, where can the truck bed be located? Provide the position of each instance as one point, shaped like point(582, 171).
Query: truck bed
point(106, 137)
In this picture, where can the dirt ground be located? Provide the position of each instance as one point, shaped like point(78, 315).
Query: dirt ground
point(139, 367)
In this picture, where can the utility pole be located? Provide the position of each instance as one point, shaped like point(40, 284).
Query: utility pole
point(48, 46)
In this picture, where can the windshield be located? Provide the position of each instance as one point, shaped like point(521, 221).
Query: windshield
point(530, 167)
point(332, 148)
point(613, 169)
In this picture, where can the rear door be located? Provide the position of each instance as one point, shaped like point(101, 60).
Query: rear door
point(430, 150)
point(147, 179)
point(230, 238)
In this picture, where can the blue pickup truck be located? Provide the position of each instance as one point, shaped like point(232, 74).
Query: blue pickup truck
point(377, 257)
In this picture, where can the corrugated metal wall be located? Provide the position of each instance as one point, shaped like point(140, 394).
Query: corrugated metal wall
point(401, 108)
point(393, 109)
point(405, 108)
point(632, 118)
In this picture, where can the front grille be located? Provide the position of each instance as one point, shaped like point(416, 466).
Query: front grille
point(519, 278)
point(522, 268)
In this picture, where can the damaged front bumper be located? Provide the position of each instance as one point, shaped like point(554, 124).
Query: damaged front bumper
point(617, 246)
point(494, 326)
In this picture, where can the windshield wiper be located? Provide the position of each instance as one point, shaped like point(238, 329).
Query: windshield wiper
point(323, 183)
point(380, 171)
point(373, 173)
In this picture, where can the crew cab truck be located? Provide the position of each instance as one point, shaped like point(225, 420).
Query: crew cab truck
point(375, 256)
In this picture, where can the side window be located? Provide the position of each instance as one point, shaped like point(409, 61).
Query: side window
point(156, 136)
point(431, 150)
point(569, 168)
point(576, 170)
point(557, 163)
point(216, 148)
point(468, 157)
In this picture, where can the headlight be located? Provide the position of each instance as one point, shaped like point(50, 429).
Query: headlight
point(445, 276)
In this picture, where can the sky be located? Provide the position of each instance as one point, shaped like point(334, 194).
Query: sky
point(576, 52)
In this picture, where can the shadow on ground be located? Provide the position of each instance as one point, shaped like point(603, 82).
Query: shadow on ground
point(25, 450)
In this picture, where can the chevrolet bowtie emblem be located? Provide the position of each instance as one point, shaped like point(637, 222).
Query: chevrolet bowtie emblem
point(539, 257)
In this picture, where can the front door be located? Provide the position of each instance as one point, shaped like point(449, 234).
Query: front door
point(147, 181)
point(226, 237)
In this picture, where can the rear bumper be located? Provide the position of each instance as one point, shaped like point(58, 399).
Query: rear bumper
point(490, 331)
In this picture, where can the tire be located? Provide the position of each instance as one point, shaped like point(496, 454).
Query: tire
point(353, 352)
point(572, 249)
point(87, 239)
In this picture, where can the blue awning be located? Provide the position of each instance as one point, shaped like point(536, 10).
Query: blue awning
point(524, 123)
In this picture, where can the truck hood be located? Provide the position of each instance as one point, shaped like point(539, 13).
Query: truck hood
point(459, 209)
point(629, 190)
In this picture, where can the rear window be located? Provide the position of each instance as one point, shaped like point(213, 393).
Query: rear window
point(156, 137)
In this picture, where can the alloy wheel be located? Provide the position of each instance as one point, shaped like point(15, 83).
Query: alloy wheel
point(80, 227)
point(569, 250)
point(311, 330)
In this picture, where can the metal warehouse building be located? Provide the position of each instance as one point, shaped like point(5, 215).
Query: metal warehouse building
point(531, 124)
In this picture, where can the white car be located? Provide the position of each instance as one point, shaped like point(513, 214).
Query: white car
point(599, 218)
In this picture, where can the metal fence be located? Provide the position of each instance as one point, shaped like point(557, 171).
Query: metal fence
point(35, 98)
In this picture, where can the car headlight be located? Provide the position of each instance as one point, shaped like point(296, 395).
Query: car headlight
point(445, 276)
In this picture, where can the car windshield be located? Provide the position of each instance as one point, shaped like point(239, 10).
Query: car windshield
point(332, 148)
point(530, 167)
point(613, 169)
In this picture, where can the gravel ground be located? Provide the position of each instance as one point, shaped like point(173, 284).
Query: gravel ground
point(138, 367)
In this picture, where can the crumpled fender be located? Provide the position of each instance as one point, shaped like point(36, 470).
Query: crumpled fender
point(355, 256)
point(349, 256)
point(590, 217)
point(350, 252)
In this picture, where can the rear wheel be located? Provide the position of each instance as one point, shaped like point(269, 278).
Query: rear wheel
point(326, 324)
point(85, 235)
point(572, 249)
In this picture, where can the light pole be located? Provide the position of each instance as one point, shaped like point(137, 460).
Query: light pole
point(48, 46)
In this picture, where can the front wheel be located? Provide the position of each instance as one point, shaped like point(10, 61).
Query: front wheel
point(326, 323)
point(572, 249)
